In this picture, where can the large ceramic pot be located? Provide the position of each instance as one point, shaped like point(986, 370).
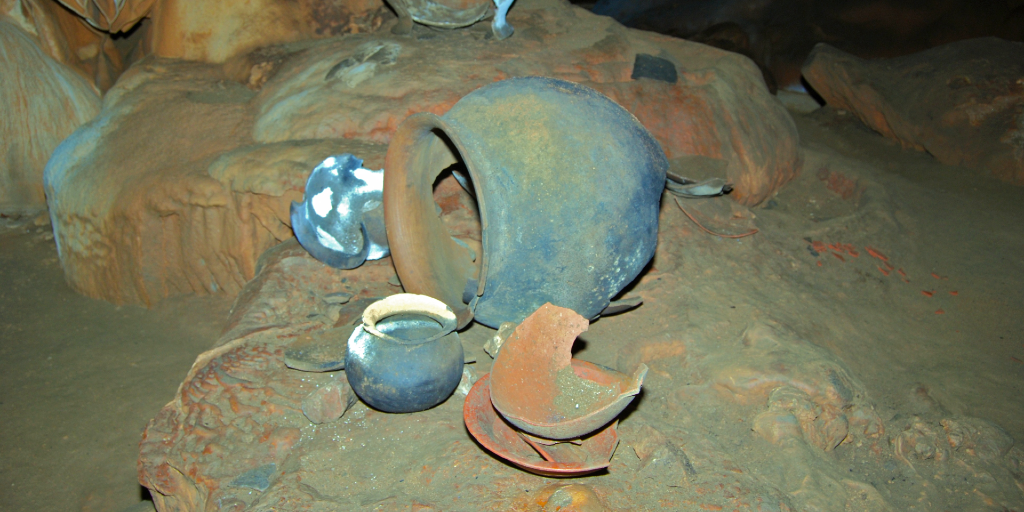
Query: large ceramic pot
point(568, 186)
point(406, 356)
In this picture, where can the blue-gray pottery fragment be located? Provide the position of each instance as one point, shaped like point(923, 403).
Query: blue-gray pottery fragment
point(568, 186)
point(499, 25)
point(340, 220)
point(406, 356)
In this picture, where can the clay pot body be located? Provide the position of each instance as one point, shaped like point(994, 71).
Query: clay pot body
point(568, 186)
point(442, 13)
point(406, 356)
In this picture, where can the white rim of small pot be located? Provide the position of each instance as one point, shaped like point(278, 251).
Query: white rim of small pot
point(409, 303)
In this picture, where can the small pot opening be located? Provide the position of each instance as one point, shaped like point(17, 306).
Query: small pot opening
point(409, 327)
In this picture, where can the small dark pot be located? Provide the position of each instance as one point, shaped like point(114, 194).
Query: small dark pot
point(406, 357)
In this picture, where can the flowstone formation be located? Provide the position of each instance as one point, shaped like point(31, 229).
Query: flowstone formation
point(43, 101)
point(961, 102)
point(139, 221)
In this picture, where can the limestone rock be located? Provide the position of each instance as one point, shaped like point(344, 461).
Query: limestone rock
point(214, 31)
point(778, 34)
point(659, 456)
point(110, 15)
point(68, 39)
point(240, 407)
point(960, 102)
point(164, 193)
point(135, 215)
point(808, 395)
point(329, 402)
point(579, 497)
point(362, 86)
point(43, 101)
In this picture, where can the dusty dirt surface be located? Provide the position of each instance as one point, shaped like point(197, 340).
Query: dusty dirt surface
point(79, 379)
point(864, 350)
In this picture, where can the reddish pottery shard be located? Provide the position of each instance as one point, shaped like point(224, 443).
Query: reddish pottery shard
point(539, 388)
point(587, 455)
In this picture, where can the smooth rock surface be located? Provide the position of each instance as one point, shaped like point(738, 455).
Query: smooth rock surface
point(960, 102)
point(68, 38)
point(42, 101)
point(165, 194)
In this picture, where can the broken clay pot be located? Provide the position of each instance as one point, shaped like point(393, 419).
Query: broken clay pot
point(438, 13)
point(568, 185)
point(539, 388)
point(405, 357)
point(566, 459)
point(340, 220)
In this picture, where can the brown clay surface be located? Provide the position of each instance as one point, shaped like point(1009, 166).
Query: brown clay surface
point(80, 378)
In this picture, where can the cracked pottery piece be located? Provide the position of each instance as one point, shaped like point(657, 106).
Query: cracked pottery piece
point(562, 459)
point(539, 388)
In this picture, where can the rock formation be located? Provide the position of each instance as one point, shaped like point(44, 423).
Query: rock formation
point(68, 38)
point(42, 101)
point(142, 210)
point(214, 31)
point(960, 102)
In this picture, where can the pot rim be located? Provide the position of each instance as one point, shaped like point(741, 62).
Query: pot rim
point(417, 130)
point(409, 303)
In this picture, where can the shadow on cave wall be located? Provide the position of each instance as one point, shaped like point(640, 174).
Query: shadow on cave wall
point(779, 34)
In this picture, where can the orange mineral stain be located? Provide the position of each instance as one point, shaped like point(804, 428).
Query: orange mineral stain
point(939, 312)
point(954, 293)
point(927, 293)
point(840, 256)
point(876, 253)
point(882, 270)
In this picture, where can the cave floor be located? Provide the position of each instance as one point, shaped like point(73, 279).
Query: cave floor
point(902, 274)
